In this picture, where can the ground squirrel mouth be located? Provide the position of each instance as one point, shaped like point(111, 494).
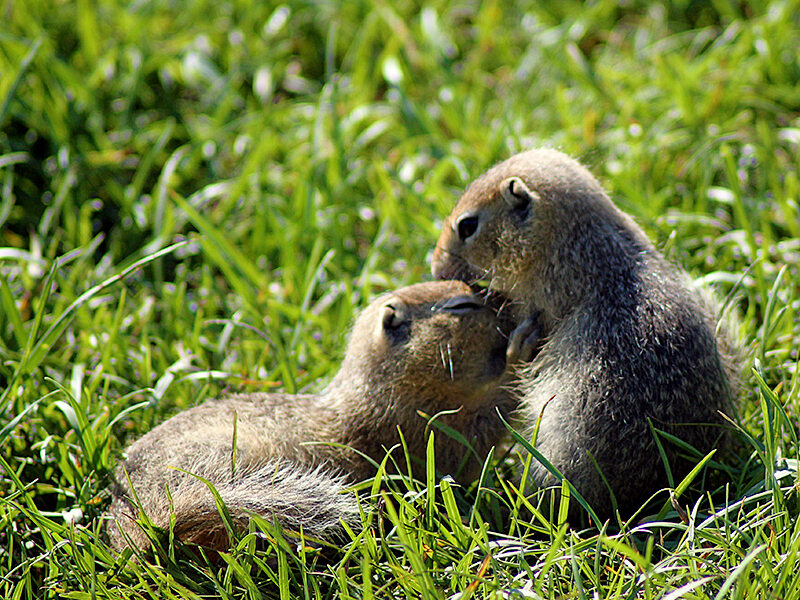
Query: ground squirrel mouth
point(479, 288)
point(500, 305)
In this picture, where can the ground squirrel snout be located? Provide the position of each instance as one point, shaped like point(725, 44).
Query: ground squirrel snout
point(427, 348)
point(628, 342)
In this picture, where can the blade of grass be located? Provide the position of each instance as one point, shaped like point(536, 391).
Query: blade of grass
point(37, 353)
point(23, 68)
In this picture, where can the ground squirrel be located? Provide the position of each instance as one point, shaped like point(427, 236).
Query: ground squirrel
point(626, 340)
point(429, 347)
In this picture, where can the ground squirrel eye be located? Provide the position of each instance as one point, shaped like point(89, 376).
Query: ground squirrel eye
point(467, 225)
point(460, 305)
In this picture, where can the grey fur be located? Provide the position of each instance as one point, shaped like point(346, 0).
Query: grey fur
point(628, 341)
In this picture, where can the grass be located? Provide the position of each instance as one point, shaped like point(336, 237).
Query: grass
point(196, 199)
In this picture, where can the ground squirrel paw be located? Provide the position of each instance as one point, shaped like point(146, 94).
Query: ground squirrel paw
point(524, 341)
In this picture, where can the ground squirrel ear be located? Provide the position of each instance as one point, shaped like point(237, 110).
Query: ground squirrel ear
point(395, 322)
point(392, 316)
point(518, 196)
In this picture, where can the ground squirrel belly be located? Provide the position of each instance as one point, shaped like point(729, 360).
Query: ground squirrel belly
point(429, 347)
point(627, 341)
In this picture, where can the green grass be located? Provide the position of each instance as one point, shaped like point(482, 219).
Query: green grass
point(196, 198)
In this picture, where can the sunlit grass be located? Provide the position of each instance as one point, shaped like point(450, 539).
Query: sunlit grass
point(197, 199)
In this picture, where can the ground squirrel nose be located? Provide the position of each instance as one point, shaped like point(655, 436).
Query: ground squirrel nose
point(436, 265)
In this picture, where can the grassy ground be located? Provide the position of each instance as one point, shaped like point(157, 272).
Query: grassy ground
point(197, 198)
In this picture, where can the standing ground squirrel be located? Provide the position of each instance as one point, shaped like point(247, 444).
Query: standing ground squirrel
point(627, 341)
point(430, 347)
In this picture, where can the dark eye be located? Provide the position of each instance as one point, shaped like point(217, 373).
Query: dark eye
point(467, 225)
point(461, 305)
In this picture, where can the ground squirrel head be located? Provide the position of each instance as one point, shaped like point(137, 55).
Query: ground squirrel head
point(537, 228)
point(434, 345)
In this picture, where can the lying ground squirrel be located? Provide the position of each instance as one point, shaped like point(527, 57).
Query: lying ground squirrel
point(429, 347)
point(627, 341)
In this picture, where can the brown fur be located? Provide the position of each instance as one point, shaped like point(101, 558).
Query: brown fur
point(627, 341)
point(429, 347)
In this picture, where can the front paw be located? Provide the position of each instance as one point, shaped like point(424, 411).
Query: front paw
point(523, 345)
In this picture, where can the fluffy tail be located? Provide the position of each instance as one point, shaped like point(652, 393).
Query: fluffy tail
point(295, 496)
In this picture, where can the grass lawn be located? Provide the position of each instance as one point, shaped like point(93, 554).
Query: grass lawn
point(197, 198)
